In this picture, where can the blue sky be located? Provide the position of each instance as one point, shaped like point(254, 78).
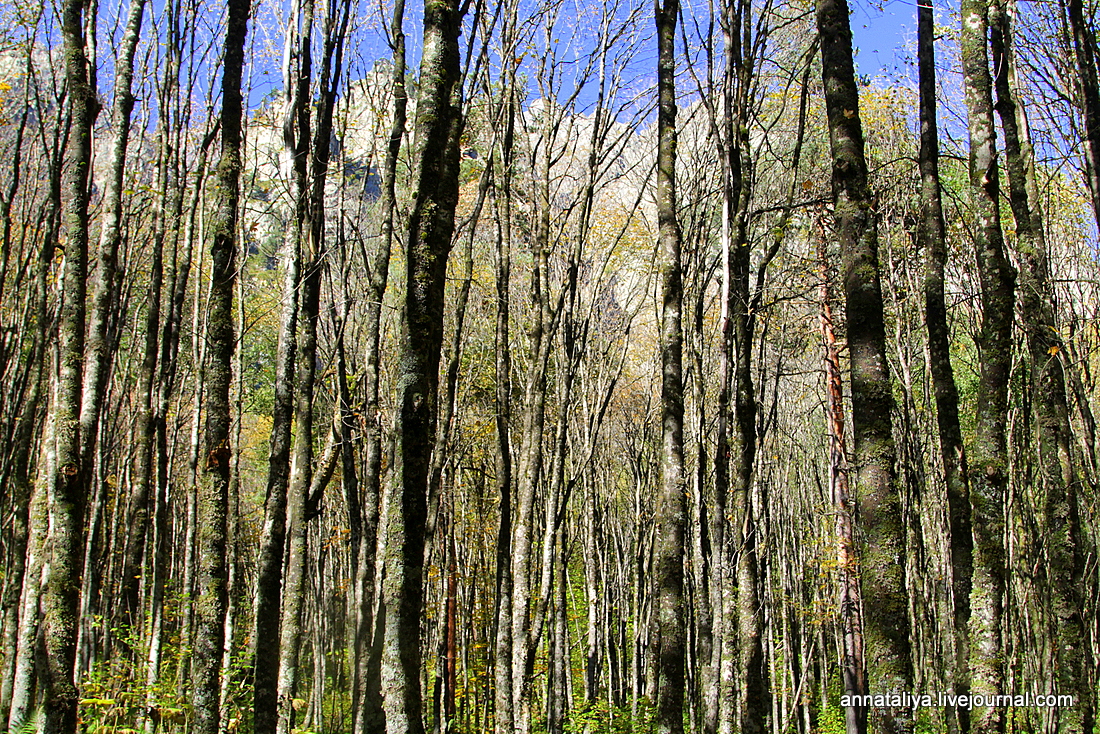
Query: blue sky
point(880, 32)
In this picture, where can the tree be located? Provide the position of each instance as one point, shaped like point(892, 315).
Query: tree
point(671, 509)
point(213, 492)
point(882, 553)
point(1062, 513)
point(932, 239)
point(68, 474)
point(989, 468)
point(366, 689)
point(584, 483)
point(431, 222)
point(1084, 54)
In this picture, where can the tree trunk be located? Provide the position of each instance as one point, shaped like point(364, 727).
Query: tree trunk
point(24, 673)
point(430, 228)
point(100, 343)
point(671, 508)
point(741, 537)
point(882, 555)
point(1064, 569)
point(503, 371)
point(989, 468)
point(174, 289)
point(1084, 54)
point(213, 491)
point(27, 534)
point(297, 136)
point(932, 239)
point(305, 488)
point(269, 575)
point(366, 696)
point(853, 662)
point(68, 474)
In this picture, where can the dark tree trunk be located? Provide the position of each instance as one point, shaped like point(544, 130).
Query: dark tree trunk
point(882, 555)
point(671, 511)
point(503, 370)
point(989, 468)
point(68, 476)
point(1062, 534)
point(431, 224)
point(213, 490)
point(932, 239)
point(1084, 53)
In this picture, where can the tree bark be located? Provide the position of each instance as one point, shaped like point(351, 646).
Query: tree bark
point(68, 474)
point(431, 224)
point(989, 468)
point(882, 555)
point(1062, 534)
point(1084, 54)
point(671, 508)
point(213, 491)
point(932, 240)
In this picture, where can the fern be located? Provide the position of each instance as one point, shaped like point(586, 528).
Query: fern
point(30, 726)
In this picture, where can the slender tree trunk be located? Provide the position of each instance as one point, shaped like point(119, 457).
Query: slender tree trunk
point(1064, 569)
point(932, 239)
point(989, 468)
point(166, 237)
point(703, 551)
point(367, 701)
point(174, 290)
point(305, 487)
point(882, 556)
point(100, 343)
point(557, 699)
point(671, 507)
point(170, 362)
point(269, 576)
point(853, 670)
point(67, 479)
point(101, 340)
point(23, 493)
point(530, 465)
point(503, 371)
point(24, 673)
point(1084, 54)
point(27, 531)
point(450, 644)
point(741, 538)
point(430, 228)
point(301, 468)
point(213, 491)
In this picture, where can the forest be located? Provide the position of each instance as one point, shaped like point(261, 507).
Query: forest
point(564, 366)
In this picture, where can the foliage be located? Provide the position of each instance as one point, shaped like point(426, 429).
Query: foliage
point(603, 718)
